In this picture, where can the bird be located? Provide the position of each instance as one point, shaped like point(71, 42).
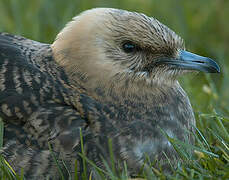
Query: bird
point(110, 75)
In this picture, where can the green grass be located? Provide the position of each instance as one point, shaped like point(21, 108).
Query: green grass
point(204, 26)
point(208, 158)
point(6, 171)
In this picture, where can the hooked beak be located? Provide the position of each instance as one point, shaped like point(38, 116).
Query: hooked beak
point(190, 61)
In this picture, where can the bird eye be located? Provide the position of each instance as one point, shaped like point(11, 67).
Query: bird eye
point(129, 47)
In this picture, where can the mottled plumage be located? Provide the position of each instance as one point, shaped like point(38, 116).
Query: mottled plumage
point(112, 74)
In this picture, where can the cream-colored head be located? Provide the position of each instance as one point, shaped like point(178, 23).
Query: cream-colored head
point(111, 47)
point(92, 46)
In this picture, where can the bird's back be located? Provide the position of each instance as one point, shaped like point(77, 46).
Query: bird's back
point(35, 104)
point(28, 76)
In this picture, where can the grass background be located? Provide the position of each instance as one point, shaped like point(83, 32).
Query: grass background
point(202, 23)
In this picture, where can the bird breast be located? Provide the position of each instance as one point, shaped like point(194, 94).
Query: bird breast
point(138, 127)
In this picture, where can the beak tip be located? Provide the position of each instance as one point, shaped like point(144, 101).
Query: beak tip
point(200, 63)
point(216, 67)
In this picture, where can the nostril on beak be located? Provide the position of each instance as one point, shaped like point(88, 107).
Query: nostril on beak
point(201, 62)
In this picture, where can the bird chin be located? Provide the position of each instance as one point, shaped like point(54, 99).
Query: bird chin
point(179, 72)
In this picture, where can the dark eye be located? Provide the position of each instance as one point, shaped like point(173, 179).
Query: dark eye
point(129, 47)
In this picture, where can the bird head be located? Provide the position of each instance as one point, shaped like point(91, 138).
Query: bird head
point(109, 46)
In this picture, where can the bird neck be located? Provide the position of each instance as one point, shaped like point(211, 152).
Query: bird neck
point(129, 90)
